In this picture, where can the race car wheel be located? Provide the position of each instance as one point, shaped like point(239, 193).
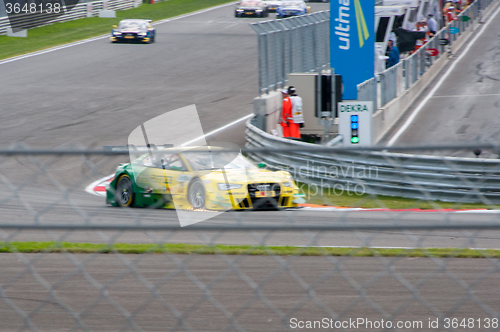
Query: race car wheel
point(124, 195)
point(196, 194)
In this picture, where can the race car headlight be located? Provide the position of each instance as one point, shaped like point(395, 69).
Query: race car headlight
point(258, 10)
point(116, 33)
point(239, 10)
point(288, 184)
point(228, 186)
point(142, 34)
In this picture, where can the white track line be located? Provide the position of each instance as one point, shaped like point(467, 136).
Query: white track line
point(459, 96)
point(478, 211)
point(218, 129)
point(84, 41)
point(438, 85)
point(376, 247)
point(330, 209)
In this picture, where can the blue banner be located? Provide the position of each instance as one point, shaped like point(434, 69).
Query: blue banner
point(352, 42)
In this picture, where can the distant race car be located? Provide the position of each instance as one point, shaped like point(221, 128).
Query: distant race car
point(272, 5)
point(200, 178)
point(292, 8)
point(133, 30)
point(251, 8)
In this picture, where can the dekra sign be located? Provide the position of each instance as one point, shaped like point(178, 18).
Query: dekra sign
point(353, 108)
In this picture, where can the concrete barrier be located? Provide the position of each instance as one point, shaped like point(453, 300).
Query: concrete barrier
point(267, 110)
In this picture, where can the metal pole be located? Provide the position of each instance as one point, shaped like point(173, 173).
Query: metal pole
point(318, 96)
point(327, 121)
point(266, 52)
point(261, 64)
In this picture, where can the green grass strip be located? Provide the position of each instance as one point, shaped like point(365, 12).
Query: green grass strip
point(335, 197)
point(67, 32)
point(125, 248)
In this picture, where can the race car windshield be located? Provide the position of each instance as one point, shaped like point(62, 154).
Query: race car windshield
point(208, 160)
point(166, 161)
point(250, 3)
point(292, 3)
point(131, 25)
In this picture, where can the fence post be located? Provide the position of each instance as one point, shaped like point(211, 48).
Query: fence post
point(89, 9)
point(266, 61)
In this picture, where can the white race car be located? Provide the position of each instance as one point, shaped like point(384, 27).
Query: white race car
point(272, 5)
point(248, 8)
point(292, 8)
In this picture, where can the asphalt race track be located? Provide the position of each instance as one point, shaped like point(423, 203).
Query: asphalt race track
point(96, 93)
point(287, 295)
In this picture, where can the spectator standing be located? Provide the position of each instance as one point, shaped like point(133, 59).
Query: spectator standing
point(432, 24)
point(393, 53)
point(421, 27)
point(392, 36)
point(449, 12)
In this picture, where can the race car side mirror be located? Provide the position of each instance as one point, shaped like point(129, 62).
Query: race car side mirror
point(261, 165)
point(115, 26)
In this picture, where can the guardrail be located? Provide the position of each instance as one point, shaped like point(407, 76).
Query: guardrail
point(381, 173)
point(79, 11)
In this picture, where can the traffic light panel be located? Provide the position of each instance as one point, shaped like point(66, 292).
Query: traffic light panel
point(354, 129)
point(355, 122)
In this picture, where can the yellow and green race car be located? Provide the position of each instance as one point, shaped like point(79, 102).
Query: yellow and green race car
point(200, 178)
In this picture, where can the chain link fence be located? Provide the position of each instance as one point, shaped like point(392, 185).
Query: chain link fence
point(293, 45)
point(71, 263)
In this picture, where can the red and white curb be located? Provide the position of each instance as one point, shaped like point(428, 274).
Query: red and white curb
point(98, 188)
